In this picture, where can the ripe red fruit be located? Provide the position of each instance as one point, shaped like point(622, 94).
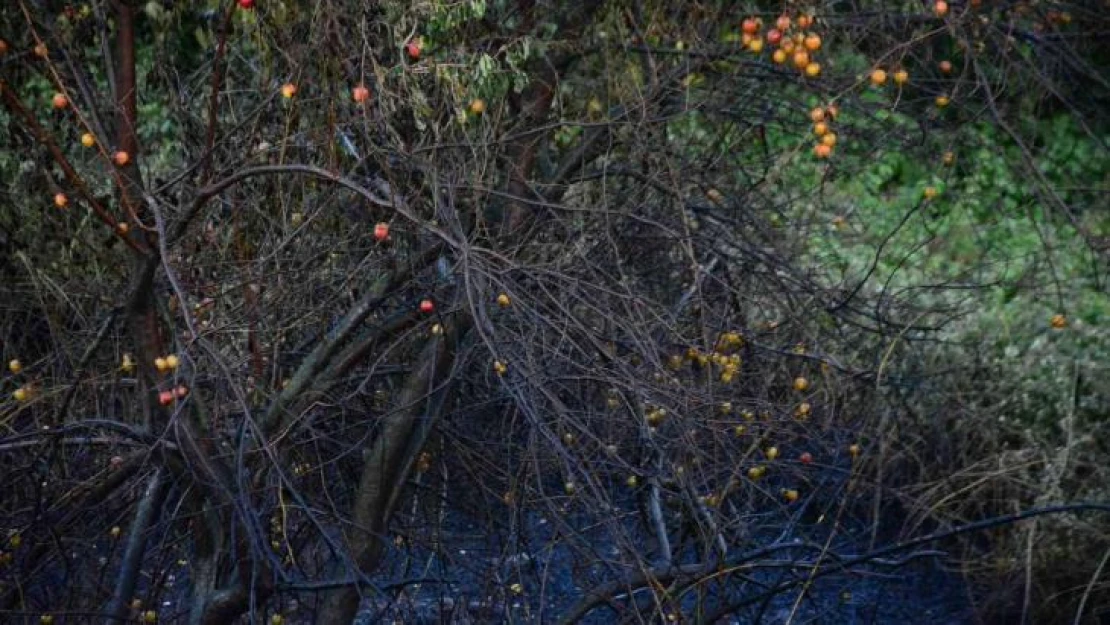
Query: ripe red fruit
point(181, 391)
point(774, 36)
point(360, 94)
point(165, 398)
point(427, 306)
point(246, 4)
point(412, 48)
point(381, 231)
point(60, 101)
point(750, 26)
point(806, 458)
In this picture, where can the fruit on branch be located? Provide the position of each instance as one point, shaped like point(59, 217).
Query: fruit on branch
point(246, 4)
point(503, 300)
point(949, 158)
point(127, 365)
point(632, 481)
point(277, 619)
point(771, 453)
point(750, 26)
point(854, 450)
point(942, 101)
point(121, 158)
point(790, 495)
point(360, 94)
point(755, 473)
point(813, 42)
point(878, 77)
point(150, 616)
point(414, 47)
point(161, 365)
point(181, 391)
point(822, 151)
point(501, 369)
point(806, 458)
point(801, 59)
point(829, 139)
point(21, 394)
point(820, 129)
point(783, 23)
point(803, 410)
point(115, 531)
point(800, 384)
point(477, 106)
point(755, 46)
point(929, 193)
point(60, 101)
point(288, 90)
point(569, 487)
point(817, 114)
point(779, 56)
point(901, 77)
point(15, 366)
point(381, 231)
point(60, 200)
point(945, 67)
point(165, 398)
point(940, 8)
point(1059, 321)
point(813, 70)
point(41, 50)
point(805, 21)
point(774, 36)
point(427, 306)
point(88, 140)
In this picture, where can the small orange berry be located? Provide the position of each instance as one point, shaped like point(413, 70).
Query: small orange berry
point(60, 101)
point(60, 200)
point(822, 151)
point(940, 8)
point(288, 90)
point(901, 77)
point(813, 70)
point(121, 158)
point(88, 140)
point(813, 43)
point(878, 77)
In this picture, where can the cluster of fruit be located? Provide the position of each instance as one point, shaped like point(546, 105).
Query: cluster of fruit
point(791, 38)
point(822, 118)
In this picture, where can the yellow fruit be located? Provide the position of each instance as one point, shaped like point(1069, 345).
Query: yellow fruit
point(726, 407)
point(500, 368)
point(878, 77)
point(929, 193)
point(161, 365)
point(820, 128)
point(829, 139)
point(114, 532)
point(854, 449)
point(813, 70)
point(779, 56)
point(46, 619)
point(772, 453)
point(127, 365)
point(517, 588)
point(632, 481)
point(478, 106)
point(60, 200)
point(503, 300)
point(901, 77)
point(1059, 321)
point(288, 90)
point(790, 495)
point(800, 384)
point(569, 487)
point(756, 46)
point(88, 140)
point(277, 619)
point(803, 410)
point(942, 101)
point(755, 473)
point(15, 366)
point(172, 361)
point(817, 115)
point(150, 616)
point(21, 394)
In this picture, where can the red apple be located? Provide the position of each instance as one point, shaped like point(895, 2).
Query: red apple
point(427, 306)
point(360, 94)
point(246, 4)
point(413, 48)
point(381, 231)
point(774, 36)
point(806, 458)
point(165, 398)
